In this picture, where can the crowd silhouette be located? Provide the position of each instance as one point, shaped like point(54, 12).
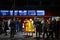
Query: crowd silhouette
point(50, 27)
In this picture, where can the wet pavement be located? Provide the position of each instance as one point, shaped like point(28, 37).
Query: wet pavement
point(22, 36)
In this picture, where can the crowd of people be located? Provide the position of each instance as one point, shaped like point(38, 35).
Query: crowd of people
point(13, 25)
point(48, 27)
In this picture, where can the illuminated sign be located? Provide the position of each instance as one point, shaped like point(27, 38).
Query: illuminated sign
point(31, 12)
point(11, 12)
point(40, 12)
point(16, 13)
point(22, 13)
point(4, 12)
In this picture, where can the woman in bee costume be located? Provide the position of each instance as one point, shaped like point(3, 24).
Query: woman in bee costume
point(30, 27)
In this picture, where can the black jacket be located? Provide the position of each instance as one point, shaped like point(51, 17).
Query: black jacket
point(54, 25)
point(39, 26)
point(0, 24)
point(6, 26)
point(57, 25)
point(50, 26)
point(12, 25)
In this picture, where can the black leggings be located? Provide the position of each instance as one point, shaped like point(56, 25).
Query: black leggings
point(39, 33)
point(57, 34)
point(45, 32)
point(12, 33)
point(51, 34)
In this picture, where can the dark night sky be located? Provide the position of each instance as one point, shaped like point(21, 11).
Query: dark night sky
point(32, 4)
point(50, 5)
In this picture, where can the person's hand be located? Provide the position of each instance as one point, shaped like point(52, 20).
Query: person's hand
point(9, 27)
point(47, 30)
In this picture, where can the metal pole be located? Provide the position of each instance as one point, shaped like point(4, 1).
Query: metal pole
point(13, 7)
point(27, 4)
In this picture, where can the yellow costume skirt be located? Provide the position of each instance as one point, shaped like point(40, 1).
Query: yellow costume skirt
point(29, 29)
